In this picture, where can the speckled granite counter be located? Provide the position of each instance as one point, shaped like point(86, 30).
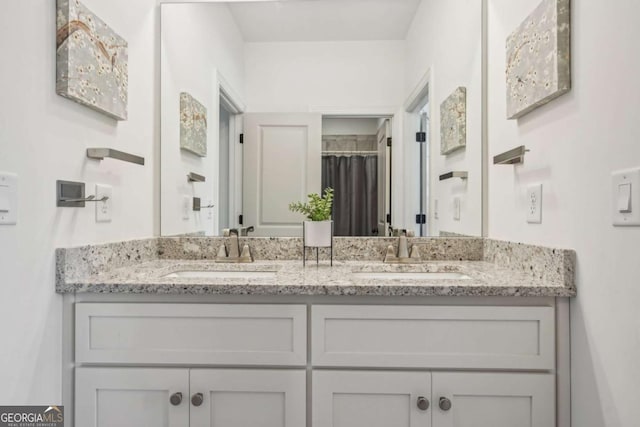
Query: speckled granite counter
point(493, 268)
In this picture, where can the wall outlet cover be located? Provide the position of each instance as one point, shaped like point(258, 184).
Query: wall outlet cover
point(104, 209)
point(209, 210)
point(625, 190)
point(534, 204)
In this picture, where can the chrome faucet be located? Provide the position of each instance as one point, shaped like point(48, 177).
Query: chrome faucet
point(234, 244)
point(402, 257)
point(234, 255)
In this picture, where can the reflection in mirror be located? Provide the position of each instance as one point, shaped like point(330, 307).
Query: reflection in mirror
point(376, 99)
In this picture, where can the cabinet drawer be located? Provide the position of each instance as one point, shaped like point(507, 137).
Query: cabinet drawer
point(205, 334)
point(433, 337)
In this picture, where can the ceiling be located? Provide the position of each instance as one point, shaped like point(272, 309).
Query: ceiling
point(323, 20)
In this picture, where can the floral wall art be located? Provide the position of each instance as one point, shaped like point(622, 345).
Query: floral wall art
point(453, 122)
point(193, 125)
point(91, 60)
point(538, 58)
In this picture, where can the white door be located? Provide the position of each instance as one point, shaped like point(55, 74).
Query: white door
point(371, 399)
point(131, 397)
point(384, 178)
point(282, 164)
point(243, 398)
point(493, 400)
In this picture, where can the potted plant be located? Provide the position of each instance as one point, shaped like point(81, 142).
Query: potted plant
point(318, 229)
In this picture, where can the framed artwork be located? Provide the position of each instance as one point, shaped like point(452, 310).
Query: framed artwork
point(538, 58)
point(193, 125)
point(453, 122)
point(91, 60)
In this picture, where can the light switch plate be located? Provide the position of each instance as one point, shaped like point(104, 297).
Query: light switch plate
point(104, 209)
point(8, 198)
point(534, 204)
point(186, 206)
point(622, 215)
point(456, 208)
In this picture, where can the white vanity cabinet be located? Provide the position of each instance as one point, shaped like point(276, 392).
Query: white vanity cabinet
point(438, 399)
point(482, 341)
point(141, 397)
point(312, 362)
point(185, 337)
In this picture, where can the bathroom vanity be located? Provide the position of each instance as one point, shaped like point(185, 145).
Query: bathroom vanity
point(476, 335)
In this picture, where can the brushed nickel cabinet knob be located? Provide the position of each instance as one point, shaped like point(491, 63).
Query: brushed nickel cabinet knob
point(197, 399)
point(444, 404)
point(176, 399)
point(423, 403)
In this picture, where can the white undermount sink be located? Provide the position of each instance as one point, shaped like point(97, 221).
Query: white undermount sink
point(417, 275)
point(209, 274)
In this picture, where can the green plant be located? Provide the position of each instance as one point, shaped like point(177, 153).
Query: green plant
point(318, 208)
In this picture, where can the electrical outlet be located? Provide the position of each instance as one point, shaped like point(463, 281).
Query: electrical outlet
point(534, 204)
point(186, 207)
point(456, 208)
point(435, 209)
point(103, 209)
point(209, 210)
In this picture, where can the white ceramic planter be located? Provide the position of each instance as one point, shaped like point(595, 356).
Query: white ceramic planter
point(318, 233)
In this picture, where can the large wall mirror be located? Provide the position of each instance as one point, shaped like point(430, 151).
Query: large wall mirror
point(265, 102)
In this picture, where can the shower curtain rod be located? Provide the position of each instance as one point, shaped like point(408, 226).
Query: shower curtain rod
point(338, 153)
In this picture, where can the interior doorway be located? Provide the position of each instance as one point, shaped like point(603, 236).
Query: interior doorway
point(418, 139)
point(228, 207)
point(356, 164)
point(223, 169)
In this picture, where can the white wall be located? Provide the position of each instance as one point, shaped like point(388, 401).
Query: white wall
point(349, 126)
point(576, 142)
point(43, 137)
point(298, 76)
point(199, 43)
point(445, 38)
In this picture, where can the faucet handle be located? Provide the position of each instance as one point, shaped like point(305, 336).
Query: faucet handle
point(222, 252)
point(415, 253)
point(246, 253)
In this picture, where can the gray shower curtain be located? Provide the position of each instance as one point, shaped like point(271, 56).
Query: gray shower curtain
point(355, 183)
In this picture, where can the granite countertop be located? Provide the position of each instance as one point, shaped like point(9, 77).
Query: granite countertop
point(291, 278)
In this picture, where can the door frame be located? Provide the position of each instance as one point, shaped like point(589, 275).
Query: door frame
point(412, 125)
point(234, 105)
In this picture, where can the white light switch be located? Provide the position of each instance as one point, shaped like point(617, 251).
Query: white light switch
point(186, 207)
point(5, 203)
point(8, 198)
point(626, 197)
point(456, 208)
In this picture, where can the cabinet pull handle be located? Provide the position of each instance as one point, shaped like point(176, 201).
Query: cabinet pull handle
point(176, 399)
point(444, 404)
point(423, 403)
point(197, 399)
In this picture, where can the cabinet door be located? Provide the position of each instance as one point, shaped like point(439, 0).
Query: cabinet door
point(493, 400)
point(242, 398)
point(131, 397)
point(371, 399)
